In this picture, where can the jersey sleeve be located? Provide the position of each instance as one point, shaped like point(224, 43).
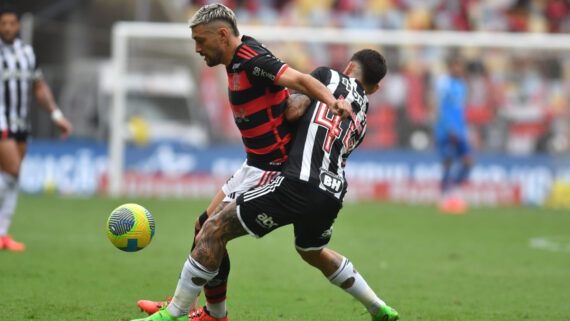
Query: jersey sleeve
point(34, 68)
point(321, 74)
point(265, 69)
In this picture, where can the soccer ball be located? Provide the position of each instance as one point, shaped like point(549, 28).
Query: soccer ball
point(130, 227)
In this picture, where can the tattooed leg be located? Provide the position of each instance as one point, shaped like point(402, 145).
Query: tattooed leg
point(215, 234)
point(202, 265)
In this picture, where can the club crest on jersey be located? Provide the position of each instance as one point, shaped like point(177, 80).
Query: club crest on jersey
point(331, 182)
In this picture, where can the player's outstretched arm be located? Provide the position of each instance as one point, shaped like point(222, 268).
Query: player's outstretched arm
point(297, 105)
point(45, 98)
point(310, 86)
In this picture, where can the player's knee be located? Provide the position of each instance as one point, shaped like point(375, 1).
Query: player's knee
point(311, 257)
point(12, 169)
point(212, 229)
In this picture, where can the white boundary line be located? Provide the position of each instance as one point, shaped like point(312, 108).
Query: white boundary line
point(551, 243)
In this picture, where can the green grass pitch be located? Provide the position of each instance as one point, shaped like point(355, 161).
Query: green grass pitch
point(479, 266)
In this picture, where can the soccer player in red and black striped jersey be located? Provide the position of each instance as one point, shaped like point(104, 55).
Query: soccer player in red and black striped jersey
point(257, 90)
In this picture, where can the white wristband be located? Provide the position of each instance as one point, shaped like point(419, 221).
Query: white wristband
point(56, 114)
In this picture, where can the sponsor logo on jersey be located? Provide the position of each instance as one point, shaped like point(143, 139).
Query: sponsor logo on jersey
point(239, 116)
point(327, 233)
point(265, 221)
point(262, 73)
point(331, 182)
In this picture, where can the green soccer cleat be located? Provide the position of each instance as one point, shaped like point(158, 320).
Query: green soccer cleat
point(386, 313)
point(163, 315)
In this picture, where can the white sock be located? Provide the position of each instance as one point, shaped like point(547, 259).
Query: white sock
point(187, 290)
point(359, 289)
point(217, 310)
point(8, 200)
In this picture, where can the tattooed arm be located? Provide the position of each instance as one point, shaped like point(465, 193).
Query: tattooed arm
point(297, 104)
point(215, 234)
point(45, 98)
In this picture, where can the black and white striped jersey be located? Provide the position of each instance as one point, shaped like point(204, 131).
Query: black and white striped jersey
point(323, 141)
point(18, 70)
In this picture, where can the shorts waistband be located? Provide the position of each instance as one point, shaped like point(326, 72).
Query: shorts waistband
point(266, 166)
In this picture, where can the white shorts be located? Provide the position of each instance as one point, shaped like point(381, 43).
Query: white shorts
point(244, 179)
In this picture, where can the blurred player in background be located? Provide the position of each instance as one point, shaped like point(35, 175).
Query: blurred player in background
point(257, 94)
point(451, 134)
point(308, 194)
point(20, 76)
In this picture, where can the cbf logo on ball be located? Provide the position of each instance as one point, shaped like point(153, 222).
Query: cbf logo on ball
point(331, 182)
point(130, 227)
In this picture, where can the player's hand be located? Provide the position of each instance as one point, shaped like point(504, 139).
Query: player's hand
point(341, 108)
point(64, 127)
point(453, 138)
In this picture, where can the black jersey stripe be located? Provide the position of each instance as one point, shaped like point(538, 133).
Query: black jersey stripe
point(7, 95)
point(323, 142)
point(17, 62)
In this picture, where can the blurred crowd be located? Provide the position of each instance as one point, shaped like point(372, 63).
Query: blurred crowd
point(518, 99)
point(467, 15)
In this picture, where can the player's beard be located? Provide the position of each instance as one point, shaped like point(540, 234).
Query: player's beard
point(8, 37)
point(214, 59)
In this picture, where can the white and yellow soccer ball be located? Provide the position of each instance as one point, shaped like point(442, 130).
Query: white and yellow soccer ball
point(130, 227)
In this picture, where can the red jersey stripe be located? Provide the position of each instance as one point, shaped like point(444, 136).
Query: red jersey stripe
point(261, 179)
point(280, 72)
point(263, 128)
point(251, 51)
point(269, 148)
point(260, 103)
point(243, 56)
point(247, 52)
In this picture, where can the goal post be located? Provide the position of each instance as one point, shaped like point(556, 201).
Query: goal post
point(124, 32)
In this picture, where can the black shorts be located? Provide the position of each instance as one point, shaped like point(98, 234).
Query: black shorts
point(289, 201)
point(19, 136)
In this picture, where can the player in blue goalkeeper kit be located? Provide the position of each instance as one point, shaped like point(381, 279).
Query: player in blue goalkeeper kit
point(451, 127)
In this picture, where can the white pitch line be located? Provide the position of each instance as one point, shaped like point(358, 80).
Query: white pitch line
point(551, 243)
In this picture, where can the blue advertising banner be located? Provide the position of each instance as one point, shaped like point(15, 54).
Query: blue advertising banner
point(167, 169)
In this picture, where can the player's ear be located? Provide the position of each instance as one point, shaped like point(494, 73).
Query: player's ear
point(224, 35)
point(349, 68)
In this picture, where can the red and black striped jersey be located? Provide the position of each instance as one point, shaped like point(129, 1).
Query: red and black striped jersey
point(258, 104)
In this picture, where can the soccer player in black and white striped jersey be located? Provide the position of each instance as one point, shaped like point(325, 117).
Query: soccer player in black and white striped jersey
point(308, 193)
point(19, 76)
